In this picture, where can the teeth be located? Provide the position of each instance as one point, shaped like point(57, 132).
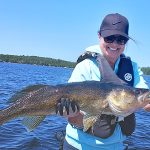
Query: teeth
point(112, 49)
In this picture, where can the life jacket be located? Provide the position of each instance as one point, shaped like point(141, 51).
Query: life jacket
point(125, 68)
point(106, 127)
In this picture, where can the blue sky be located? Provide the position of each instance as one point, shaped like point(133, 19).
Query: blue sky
point(62, 29)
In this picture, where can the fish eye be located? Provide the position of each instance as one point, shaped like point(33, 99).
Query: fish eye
point(137, 91)
point(140, 91)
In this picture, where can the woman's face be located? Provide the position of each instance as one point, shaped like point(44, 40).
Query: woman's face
point(111, 47)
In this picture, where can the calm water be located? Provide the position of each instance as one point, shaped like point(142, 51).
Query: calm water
point(14, 136)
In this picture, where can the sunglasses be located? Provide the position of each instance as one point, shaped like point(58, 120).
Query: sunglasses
point(121, 40)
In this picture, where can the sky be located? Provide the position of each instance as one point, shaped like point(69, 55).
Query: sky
point(62, 29)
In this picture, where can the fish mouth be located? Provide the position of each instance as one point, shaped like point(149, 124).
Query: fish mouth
point(144, 99)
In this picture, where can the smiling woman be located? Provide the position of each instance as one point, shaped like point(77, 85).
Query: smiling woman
point(113, 35)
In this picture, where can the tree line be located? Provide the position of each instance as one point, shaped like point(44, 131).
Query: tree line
point(36, 60)
point(146, 70)
point(46, 61)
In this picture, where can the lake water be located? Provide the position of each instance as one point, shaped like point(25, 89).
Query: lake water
point(14, 136)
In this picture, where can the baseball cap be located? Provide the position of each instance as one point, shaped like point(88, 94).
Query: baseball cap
point(114, 24)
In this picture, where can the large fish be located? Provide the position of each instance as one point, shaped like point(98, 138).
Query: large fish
point(110, 96)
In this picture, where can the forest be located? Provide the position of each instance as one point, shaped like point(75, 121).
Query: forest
point(45, 61)
point(36, 60)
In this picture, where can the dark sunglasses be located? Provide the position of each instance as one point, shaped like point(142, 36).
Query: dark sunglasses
point(121, 40)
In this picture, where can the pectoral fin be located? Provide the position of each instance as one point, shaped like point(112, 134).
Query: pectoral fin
point(88, 122)
point(31, 122)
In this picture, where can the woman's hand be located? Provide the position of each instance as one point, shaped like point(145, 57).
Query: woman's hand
point(147, 107)
point(71, 110)
point(65, 107)
point(76, 119)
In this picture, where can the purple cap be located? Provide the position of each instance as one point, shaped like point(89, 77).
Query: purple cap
point(114, 24)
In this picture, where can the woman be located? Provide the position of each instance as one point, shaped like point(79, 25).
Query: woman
point(113, 36)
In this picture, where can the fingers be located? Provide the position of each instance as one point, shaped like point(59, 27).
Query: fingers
point(74, 106)
point(59, 109)
point(147, 107)
point(65, 105)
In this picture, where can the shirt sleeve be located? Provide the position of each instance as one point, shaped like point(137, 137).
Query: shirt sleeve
point(139, 81)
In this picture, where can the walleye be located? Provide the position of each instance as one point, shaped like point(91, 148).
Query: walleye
point(108, 96)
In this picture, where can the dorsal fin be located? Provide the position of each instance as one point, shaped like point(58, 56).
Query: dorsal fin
point(25, 92)
point(107, 73)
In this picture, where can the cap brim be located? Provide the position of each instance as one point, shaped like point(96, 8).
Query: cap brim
point(106, 33)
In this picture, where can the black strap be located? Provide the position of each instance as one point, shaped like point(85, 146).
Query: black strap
point(86, 55)
point(128, 125)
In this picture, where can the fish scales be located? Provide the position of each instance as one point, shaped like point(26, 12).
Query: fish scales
point(42, 101)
